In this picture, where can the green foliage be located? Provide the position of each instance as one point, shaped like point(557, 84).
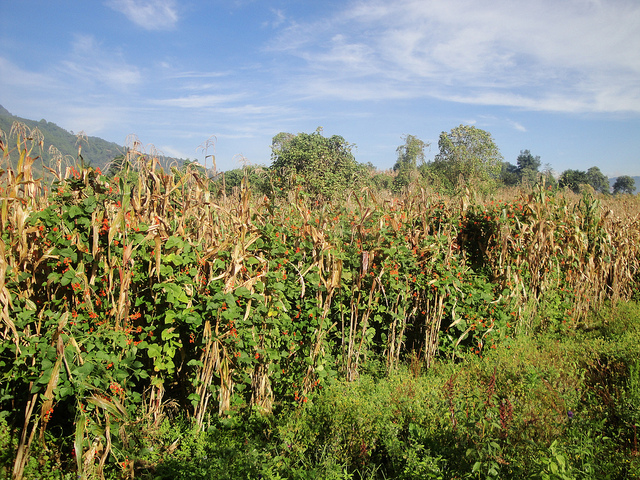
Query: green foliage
point(410, 156)
point(256, 179)
point(598, 180)
point(526, 410)
point(324, 167)
point(573, 179)
point(128, 298)
point(624, 184)
point(468, 156)
point(526, 170)
point(7, 447)
point(60, 147)
point(381, 181)
point(509, 174)
point(528, 165)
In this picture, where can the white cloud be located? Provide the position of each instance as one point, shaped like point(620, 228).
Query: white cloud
point(518, 126)
point(40, 94)
point(169, 151)
point(148, 14)
point(90, 63)
point(195, 74)
point(575, 55)
point(198, 101)
point(88, 89)
point(13, 76)
point(94, 119)
point(279, 19)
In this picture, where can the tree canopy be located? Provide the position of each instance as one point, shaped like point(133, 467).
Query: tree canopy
point(528, 166)
point(324, 166)
point(526, 169)
point(598, 180)
point(410, 156)
point(468, 155)
point(624, 184)
point(573, 179)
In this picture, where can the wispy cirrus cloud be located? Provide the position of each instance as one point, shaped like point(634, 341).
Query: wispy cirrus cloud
point(94, 83)
point(90, 63)
point(11, 76)
point(148, 14)
point(573, 56)
point(279, 19)
point(199, 101)
point(517, 126)
point(196, 74)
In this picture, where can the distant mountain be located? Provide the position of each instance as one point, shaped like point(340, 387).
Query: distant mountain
point(635, 179)
point(95, 152)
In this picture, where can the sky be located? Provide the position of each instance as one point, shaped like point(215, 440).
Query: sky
point(194, 78)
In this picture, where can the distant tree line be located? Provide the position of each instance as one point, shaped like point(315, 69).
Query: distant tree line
point(326, 168)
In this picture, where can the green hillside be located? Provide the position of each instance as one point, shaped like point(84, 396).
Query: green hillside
point(96, 151)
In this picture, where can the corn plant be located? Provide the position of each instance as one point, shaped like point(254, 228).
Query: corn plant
point(125, 296)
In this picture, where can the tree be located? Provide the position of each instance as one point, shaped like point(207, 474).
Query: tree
point(232, 179)
point(509, 174)
point(528, 166)
point(598, 180)
point(573, 179)
point(410, 155)
point(324, 167)
point(624, 184)
point(548, 176)
point(526, 169)
point(468, 155)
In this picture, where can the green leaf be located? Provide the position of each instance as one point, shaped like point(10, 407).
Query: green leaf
point(85, 369)
point(166, 270)
point(173, 241)
point(561, 461)
point(90, 204)
point(75, 211)
point(154, 351)
point(170, 316)
point(168, 334)
point(66, 391)
point(175, 292)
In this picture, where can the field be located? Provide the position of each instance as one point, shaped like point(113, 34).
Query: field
point(154, 326)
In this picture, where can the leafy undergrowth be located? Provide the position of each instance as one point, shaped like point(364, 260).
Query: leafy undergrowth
point(553, 407)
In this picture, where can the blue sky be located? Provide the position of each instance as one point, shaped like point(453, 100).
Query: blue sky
point(558, 77)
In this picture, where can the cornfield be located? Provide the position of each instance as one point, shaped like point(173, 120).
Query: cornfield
point(125, 297)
